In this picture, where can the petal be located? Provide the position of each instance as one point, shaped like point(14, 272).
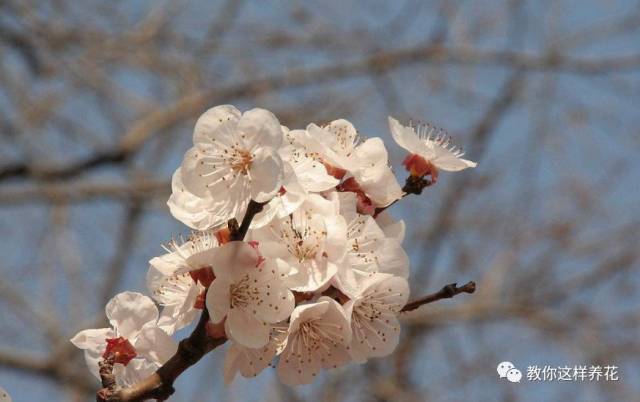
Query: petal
point(92, 359)
point(282, 204)
point(134, 372)
point(128, 312)
point(190, 209)
point(267, 174)
point(93, 339)
point(311, 275)
point(231, 365)
point(381, 186)
point(243, 327)
point(297, 369)
point(180, 314)
point(448, 161)
point(334, 142)
point(407, 138)
point(340, 325)
point(276, 301)
point(372, 153)
point(210, 121)
point(306, 312)
point(155, 345)
point(196, 176)
point(391, 227)
point(218, 299)
point(393, 259)
point(307, 165)
point(233, 260)
point(261, 127)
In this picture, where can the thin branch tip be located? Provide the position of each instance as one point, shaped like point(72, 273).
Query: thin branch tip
point(447, 292)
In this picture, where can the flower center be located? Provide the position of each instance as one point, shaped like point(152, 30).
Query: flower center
point(240, 160)
point(309, 335)
point(242, 293)
point(303, 244)
point(121, 349)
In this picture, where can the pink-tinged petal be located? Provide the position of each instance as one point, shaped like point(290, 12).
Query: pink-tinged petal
point(128, 312)
point(243, 327)
point(298, 369)
point(233, 260)
point(267, 174)
point(261, 128)
point(312, 275)
point(218, 299)
point(209, 122)
point(306, 312)
point(276, 300)
point(232, 362)
point(335, 314)
point(155, 345)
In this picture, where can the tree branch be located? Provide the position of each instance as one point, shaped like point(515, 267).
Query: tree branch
point(446, 292)
point(159, 385)
point(238, 233)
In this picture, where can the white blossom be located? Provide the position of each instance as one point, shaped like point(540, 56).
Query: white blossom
point(177, 280)
point(304, 173)
point(251, 361)
point(249, 292)
point(374, 310)
point(234, 160)
point(136, 341)
point(366, 161)
point(431, 145)
point(311, 241)
point(319, 335)
point(369, 249)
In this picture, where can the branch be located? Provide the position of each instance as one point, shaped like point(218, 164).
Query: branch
point(375, 64)
point(446, 292)
point(159, 385)
point(238, 233)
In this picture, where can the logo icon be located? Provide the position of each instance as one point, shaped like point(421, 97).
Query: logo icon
point(514, 375)
point(509, 371)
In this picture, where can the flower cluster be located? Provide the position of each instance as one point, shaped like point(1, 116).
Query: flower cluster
point(321, 275)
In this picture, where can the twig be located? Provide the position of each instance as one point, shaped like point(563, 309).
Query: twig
point(446, 292)
point(253, 209)
point(159, 385)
